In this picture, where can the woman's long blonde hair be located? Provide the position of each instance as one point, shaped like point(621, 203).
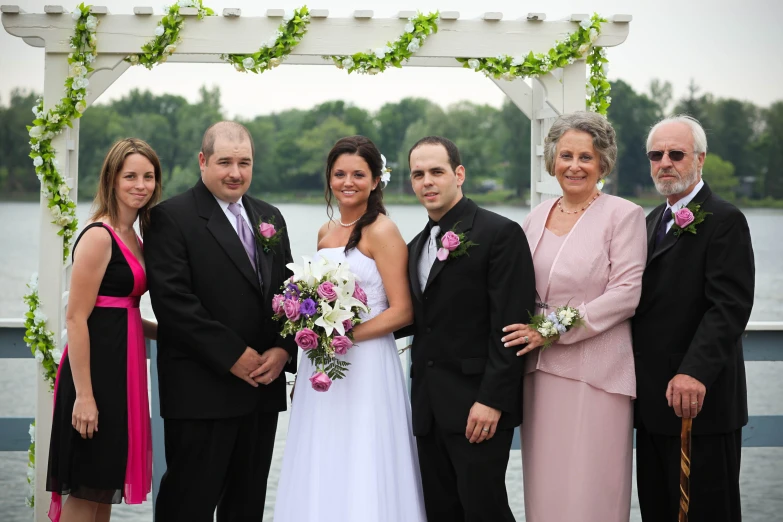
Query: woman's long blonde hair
point(105, 203)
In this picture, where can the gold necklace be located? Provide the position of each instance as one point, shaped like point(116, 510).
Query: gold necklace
point(560, 205)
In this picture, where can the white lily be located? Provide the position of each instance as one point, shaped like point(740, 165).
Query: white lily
point(332, 318)
point(345, 298)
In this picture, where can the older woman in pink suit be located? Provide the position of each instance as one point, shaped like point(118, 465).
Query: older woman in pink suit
point(589, 251)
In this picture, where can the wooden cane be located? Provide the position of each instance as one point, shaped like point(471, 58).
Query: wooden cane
point(685, 469)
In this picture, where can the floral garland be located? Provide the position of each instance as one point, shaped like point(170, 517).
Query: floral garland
point(47, 125)
point(167, 36)
point(279, 45)
point(394, 54)
point(565, 52)
point(42, 344)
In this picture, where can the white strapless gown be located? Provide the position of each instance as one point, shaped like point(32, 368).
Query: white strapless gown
point(350, 455)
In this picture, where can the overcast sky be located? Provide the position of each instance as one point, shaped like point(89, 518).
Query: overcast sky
point(727, 46)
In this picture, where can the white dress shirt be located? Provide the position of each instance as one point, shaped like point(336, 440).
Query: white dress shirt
point(682, 203)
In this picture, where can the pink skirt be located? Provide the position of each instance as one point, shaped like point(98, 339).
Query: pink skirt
point(577, 451)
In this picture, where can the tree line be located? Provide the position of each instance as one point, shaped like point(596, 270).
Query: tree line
point(745, 160)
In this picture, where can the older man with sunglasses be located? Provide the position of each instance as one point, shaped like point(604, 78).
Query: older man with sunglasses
point(697, 294)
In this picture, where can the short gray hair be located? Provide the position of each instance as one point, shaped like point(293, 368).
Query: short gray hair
point(699, 136)
point(604, 138)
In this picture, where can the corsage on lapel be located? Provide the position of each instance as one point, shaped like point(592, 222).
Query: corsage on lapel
point(686, 219)
point(267, 235)
point(453, 245)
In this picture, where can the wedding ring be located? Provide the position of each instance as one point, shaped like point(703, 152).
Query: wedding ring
point(694, 403)
point(485, 430)
point(527, 339)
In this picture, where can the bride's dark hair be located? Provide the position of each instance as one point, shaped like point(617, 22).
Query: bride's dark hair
point(364, 147)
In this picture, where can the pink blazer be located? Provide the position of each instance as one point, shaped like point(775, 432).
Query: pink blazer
point(598, 270)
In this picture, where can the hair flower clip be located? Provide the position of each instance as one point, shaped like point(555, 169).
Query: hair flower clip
point(385, 172)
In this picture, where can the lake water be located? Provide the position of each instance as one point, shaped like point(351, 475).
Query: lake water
point(762, 468)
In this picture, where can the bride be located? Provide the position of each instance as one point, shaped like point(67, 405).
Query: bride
point(350, 455)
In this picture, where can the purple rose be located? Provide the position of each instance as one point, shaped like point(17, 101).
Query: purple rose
point(341, 343)
point(308, 307)
point(442, 254)
point(683, 217)
point(326, 291)
point(450, 241)
point(347, 325)
point(306, 339)
point(291, 291)
point(266, 230)
point(359, 294)
point(320, 381)
point(277, 305)
point(291, 309)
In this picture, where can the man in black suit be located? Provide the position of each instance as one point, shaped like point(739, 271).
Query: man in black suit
point(697, 294)
point(466, 387)
point(220, 352)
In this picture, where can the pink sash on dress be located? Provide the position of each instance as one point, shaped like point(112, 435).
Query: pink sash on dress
point(138, 470)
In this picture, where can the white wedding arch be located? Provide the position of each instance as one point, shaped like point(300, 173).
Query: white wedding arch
point(505, 50)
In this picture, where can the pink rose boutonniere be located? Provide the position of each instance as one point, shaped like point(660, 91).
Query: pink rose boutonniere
point(267, 235)
point(453, 245)
point(686, 219)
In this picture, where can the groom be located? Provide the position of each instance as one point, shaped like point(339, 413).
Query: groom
point(471, 273)
point(220, 354)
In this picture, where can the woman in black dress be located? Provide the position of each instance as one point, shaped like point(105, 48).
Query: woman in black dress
point(101, 449)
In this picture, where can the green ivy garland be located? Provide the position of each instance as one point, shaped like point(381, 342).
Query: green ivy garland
point(565, 52)
point(167, 36)
point(394, 54)
point(47, 125)
point(280, 44)
point(42, 344)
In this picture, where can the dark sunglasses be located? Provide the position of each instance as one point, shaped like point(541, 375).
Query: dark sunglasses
point(674, 155)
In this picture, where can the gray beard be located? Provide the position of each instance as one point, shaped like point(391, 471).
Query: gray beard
point(668, 188)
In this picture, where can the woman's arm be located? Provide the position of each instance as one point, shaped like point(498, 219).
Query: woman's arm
point(89, 266)
point(385, 245)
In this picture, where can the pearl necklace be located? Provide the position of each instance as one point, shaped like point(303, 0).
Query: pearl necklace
point(560, 205)
point(348, 225)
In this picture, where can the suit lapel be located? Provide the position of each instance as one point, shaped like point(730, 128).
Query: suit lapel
point(670, 239)
point(264, 258)
point(413, 262)
point(652, 228)
point(224, 233)
point(464, 224)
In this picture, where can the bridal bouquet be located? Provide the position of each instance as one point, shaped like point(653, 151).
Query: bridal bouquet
point(556, 323)
point(320, 304)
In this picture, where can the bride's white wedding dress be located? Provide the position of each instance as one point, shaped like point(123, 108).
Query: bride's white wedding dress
point(350, 455)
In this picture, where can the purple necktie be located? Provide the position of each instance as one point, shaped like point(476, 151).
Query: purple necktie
point(245, 234)
point(661, 233)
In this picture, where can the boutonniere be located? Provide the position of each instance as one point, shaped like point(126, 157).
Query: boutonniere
point(267, 235)
point(453, 245)
point(686, 219)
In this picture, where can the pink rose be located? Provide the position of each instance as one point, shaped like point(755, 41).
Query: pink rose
point(267, 230)
point(683, 217)
point(450, 241)
point(347, 325)
point(326, 291)
point(341, 343)
point(442, 254)
point(320, 381)
point(359, 294)
point(277, 305)
point(306, 339)
point(291, 309)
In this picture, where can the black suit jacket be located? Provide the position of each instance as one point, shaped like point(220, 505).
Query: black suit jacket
point(210, 306)
point(697, 294)
point(458, 358)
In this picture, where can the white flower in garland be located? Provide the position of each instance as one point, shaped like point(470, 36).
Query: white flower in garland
point(36, 132)
point(474, 63)
point(380, 53)
point(409, 27)
point(414, 45)
point(57, 355)
point(586, 23)
point(248, 63)
point(38, 161)
point(31, 431)
point(91, 24)
point(347, 62)
point(159, 30)
point(39, 356)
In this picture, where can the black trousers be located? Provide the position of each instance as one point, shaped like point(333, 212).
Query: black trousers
point(216, 463)
point(714, 482)
point(464, 481)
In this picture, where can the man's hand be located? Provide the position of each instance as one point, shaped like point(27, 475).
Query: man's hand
point(248, 362)
point(686, 395)
point(482, 423)
point(272, 363)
